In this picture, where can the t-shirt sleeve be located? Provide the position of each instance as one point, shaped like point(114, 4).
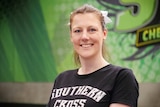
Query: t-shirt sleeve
point(126, 88)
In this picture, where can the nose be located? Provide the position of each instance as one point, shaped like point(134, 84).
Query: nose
point(84, 36)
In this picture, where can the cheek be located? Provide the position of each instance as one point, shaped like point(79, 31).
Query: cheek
point(74, 40)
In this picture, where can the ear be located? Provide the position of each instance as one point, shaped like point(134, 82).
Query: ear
point(105, 31)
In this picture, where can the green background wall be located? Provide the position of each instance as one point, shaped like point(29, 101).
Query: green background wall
point(35, 44)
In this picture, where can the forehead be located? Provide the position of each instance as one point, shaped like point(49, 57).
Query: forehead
point(83, 19)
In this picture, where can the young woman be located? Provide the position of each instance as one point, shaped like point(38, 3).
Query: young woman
point(96, 83)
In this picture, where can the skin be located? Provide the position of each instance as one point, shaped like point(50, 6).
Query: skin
point(87, 38)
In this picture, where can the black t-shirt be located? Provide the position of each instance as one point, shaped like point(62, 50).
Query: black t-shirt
point(110, 84)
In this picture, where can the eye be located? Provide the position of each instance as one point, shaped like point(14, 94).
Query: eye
point(77, 31)
point(92, 30)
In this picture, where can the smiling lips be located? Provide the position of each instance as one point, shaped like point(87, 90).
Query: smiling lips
point(86, 45)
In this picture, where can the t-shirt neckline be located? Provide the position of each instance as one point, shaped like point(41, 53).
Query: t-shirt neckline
point(96, 71)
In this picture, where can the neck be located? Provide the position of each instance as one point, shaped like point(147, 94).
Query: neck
point(90, 65)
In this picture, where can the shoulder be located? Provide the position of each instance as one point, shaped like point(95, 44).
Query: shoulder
point(125, 77)
point(67, 73)
point(123, 73)
point(120, 70)
point(64, 78)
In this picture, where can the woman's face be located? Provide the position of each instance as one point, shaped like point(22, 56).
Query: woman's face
point(87, 35)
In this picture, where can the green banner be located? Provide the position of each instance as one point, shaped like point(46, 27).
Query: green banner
point(35, 42)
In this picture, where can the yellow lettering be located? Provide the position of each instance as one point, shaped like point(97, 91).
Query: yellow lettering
point(152, 33)
point(144, 35)
point(158, 32)
point(148, 35)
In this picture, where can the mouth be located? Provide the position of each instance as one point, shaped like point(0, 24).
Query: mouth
point(86, 45)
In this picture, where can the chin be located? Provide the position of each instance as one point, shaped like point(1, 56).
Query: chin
point(86, 55)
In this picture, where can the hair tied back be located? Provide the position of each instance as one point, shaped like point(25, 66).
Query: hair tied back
point(106, 18)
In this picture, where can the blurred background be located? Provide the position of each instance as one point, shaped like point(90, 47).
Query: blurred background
point(35, 46)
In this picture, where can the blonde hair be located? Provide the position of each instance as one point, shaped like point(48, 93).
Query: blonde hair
point(89, 9)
